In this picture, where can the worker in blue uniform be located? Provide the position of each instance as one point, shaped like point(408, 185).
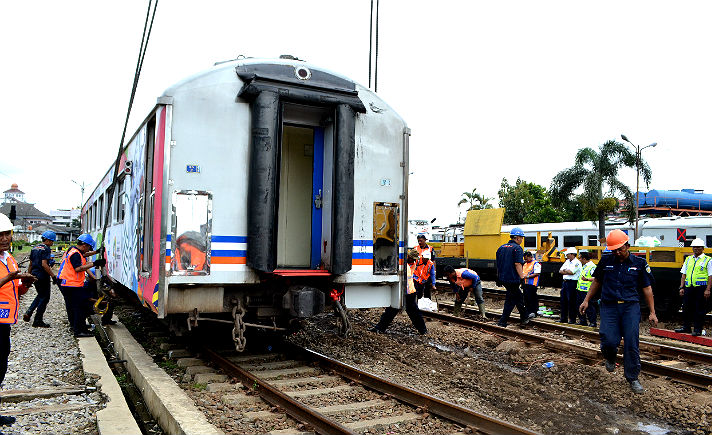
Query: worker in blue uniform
point(620, 276)
point(510, 274)
point(41, 263)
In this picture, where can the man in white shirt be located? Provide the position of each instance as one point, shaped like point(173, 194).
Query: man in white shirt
point(695, 284)
point(571, 270)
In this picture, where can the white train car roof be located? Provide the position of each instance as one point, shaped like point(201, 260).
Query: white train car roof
point(564, 226)
point(224, 72)
point(678, 222)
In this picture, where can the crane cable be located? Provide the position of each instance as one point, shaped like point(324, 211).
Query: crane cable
point(147, 27)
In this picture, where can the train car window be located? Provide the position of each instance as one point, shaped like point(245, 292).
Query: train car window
point(120, 205)
point(592, 240)
point(688, 240)
point(530, 242)
point(544, 238)
point(709, 242)
point(191, 232)
point(385, 238)
point(101, 211)
point(148, 193)
point(570, 241)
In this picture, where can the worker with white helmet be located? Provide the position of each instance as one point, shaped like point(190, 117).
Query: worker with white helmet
point(695, 286)
point(621, 277)
point(13, 283)
point(571, 271)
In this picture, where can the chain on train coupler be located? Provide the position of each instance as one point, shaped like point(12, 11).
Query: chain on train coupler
point(238, 331)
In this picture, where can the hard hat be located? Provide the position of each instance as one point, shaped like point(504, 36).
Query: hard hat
point(616, 239)
point(49, 235)
point(421, 236)
point(426, 254)
point(571, 250)
point(516, 231)
point(697, 242)
point(5, 224)
point(86, 238)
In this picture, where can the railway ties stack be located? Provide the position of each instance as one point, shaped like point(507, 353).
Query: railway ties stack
point(325, 396)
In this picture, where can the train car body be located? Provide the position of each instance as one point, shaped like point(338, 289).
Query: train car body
point(262, 185)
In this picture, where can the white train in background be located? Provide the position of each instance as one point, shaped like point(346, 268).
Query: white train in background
point(671, 231)
point(259, 191)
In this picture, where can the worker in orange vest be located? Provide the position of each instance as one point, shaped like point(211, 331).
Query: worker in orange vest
point(531, 269)
point(13, 283)
point(72, 272)
point(411, 303)
point(424, 268)
point(464, 281)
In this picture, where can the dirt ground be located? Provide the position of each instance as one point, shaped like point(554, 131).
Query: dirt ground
point(506, 379)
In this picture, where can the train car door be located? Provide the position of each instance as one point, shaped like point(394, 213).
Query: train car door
point(300, 197)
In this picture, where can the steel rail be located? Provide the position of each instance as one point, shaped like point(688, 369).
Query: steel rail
point(696, 379)
point(481, 422)
point(304, 414)
point(665, 350)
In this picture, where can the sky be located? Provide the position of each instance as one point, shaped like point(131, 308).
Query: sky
point(490, 89)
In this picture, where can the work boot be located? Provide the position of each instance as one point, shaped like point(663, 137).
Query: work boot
point(26, 317)
point(683, 330)
point(696, 333)
point(610, 366)
point(636, 387)
point(457, 309)
point(40, 324)
point(483, 312)
point(6, 420)
point(528, 319)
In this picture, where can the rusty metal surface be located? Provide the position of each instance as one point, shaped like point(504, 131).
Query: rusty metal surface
point(442, 408)
point(696, 379)
point(304, 414)
point(660, 349)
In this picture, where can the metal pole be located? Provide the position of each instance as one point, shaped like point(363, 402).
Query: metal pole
point(637, 188)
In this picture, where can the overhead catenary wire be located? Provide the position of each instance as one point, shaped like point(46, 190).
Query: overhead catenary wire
point(145, 37)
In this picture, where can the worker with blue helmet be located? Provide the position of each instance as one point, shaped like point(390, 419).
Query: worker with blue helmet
point(72, 272)
point(41, 263)
point(510, 273)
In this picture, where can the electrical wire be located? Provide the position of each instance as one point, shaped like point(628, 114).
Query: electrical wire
point(375, 74)
point(370, 45)
point(139, 65)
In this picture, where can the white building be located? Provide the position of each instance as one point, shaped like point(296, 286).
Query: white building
point(13, 194)
point(64, 216)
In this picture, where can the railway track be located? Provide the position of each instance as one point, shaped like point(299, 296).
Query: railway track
point(274, 377)
point(656, 359)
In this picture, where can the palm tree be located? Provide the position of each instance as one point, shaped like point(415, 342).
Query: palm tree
point(597, 172)
point(475, 200)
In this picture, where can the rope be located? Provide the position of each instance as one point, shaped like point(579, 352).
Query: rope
point(139, 65)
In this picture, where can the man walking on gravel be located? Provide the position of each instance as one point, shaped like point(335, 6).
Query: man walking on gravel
point(620, 276)
point(13, 283)
point(41, 268)
point(510, 273)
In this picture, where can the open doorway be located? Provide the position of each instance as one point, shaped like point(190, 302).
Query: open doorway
point(300, 197)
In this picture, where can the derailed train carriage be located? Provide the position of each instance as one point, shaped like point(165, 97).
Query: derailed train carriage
point(258, 192)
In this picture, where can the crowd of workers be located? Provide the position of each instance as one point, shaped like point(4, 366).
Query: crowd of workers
point(610, 289)
point(75, 278)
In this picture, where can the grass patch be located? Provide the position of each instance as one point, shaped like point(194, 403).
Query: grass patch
point(168, 365)
point(200, 387)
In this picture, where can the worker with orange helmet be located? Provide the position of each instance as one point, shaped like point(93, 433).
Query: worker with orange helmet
point(620, 276)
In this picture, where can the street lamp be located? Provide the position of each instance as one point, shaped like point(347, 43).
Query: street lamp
point(81, 186)
point(638, 150)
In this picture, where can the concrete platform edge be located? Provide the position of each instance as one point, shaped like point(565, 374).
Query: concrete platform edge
point(168, 403)
point(116, 417)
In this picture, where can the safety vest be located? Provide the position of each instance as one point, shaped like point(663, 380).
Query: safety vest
point(422, 270)
point(8, 292)
point(696, 270)
point(527, 268)
point(428, 249)
point(67, 276)
point(463, 282)
point(411, 285)
point(586, 272)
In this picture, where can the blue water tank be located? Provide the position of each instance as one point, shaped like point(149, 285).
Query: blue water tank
point(685, 198)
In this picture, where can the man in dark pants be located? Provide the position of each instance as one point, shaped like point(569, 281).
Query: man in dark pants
point(620, 276)
point(582, 286)
point(695, 286)
point(424, 268)
point(12, 284)
point(510, 258)
point(571, 270)
point(411, 302)
point(531, 270)
point(72, 271)
point(41, 268)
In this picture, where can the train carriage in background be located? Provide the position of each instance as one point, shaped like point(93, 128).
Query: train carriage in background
point(269, 188)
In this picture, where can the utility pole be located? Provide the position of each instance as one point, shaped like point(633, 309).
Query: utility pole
point(638, 151)
point(81, 186)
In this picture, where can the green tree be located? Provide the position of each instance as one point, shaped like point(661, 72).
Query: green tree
point(474, 200)
point(596, 173)
point(75, 223)
point(526, 203)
